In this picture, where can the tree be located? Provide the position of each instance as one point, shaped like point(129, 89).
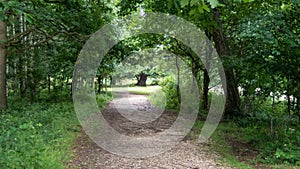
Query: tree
point(208, 17)
point(140, 65)
point(3, 54)
point(265, 44)
point(40, 43)
point(232, 106)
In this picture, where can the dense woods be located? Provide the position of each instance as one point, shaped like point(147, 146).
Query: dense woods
point(257, 41)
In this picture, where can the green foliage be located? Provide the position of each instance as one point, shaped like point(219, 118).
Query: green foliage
point(154, 82)
point(158, 98)
point(267, 56)
point(139, 61)
point(37, 136)
point(40, 135)
point(219, 142)
point(272, 132)
point(44, 38)
point(168, 86)
point(282, 147)
point(103, 99)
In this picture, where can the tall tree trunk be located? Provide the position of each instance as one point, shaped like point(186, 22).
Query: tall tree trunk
point(206, 82)
point(3, 56)
point(232, 106)
point(14, 86)
point(206, 79)
point(32, 84)
point(21, 67)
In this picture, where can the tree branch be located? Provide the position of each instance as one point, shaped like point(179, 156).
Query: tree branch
point(12, 41)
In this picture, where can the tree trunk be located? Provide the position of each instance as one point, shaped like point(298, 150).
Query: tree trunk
point(232, 106)
point(31, 76)
point(206, 82)
point(112, 80)
point(105, 84)
point(289, 104)
point(3, 56)
point(298, 107)
point(21, 68)
point(293, 103)
point(178, 81)
point(49, 83)
point(14, 86)
point(99, 80)
point(142, 79)
point(206, 79)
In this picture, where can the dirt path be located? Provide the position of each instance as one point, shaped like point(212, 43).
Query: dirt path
point(135, 120)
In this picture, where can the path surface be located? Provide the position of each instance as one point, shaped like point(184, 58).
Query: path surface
point(136, 120)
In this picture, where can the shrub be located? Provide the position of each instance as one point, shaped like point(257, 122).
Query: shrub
point(274, 133)
point(168, 86)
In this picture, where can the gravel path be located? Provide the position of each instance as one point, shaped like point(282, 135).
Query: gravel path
point(134, 116)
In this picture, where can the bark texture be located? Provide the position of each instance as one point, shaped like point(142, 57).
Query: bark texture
point(3, 56)
point(142, 79)
point(232, 106)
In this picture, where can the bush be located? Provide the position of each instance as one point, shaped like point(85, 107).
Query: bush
point(283, 149)
point(158, 99)
point(154, 82)
point(274, 133)
point(168, 86)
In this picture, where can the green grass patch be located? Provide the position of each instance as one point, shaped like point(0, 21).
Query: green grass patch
point(223, 139)
point(40, 135)
point(250, 147)
point(219, 142)
point(135, 89)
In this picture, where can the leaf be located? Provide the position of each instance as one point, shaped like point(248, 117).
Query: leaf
point(214, 3)
point(2, 16)
point(200, 9)
point(193, 12)
point(206, 8)
point(296, 1)
point(28, 18)
point(184, 3)
point(194, 2)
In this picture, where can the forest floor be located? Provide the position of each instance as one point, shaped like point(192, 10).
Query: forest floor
point(188, 154)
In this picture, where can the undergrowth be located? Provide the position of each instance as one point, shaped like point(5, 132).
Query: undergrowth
point(39, 135)
point(264, 137)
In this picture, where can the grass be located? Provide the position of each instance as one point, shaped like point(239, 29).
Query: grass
point(135, 90)
point(232, 143)
point(218, 142)
point(220, 138)
point(39, 135)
